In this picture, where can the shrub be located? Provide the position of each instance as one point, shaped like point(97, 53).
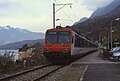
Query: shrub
point(7, 64)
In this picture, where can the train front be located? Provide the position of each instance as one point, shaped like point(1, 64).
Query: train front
point(57, 45)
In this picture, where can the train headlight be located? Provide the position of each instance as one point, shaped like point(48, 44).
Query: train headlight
point(47, 50)
point(65, 50)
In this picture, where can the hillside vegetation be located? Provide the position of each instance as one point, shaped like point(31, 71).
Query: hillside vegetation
point(98, 28)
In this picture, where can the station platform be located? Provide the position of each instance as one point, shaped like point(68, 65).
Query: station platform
point(98, 69)
point(93, 58)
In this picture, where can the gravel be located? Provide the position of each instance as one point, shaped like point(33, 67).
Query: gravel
point(68, 73)
point(34, 74)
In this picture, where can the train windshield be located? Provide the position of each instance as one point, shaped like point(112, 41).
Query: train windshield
point(51, 37)
point(58, 37)
point(64, 37)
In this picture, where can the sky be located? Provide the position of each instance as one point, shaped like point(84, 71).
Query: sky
point(36, 15)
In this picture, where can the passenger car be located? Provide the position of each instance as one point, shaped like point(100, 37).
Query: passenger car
point(115, 53)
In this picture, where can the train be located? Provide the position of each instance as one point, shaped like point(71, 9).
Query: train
point(61, 44)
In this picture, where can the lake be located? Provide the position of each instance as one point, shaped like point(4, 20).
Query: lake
point(14, 52)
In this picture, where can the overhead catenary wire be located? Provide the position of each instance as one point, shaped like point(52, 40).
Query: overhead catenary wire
point(66, 14)
point(74, 14)
point(60, 8)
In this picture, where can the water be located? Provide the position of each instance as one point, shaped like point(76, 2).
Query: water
point(14, 52)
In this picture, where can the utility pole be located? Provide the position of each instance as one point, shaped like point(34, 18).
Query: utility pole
point(54, 11)
point(111, 33)
point(111, 30)
point(108, 39)
point(53, 15)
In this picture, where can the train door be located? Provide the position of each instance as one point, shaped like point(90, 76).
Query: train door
point(72, 44)
point(75, 45)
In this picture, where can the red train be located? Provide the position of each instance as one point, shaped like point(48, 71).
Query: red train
point(61, 44)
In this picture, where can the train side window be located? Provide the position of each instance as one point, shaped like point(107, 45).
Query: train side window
point(82, 42)
point(77, 41)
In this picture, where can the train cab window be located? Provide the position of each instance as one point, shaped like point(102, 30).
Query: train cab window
point(64, 37)
point(58, 37)
point(51, 37)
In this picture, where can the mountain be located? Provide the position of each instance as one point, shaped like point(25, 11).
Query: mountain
point(81, 20)
point(9, 34)
point(99, 27)
point(103, 11)
point(106, 10)
point(17, 45)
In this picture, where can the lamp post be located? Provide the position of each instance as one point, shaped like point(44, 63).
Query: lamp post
point(111, 37)
point(111, 34)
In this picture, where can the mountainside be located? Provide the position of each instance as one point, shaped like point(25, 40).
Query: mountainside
point(81, 20)
point(9, 34)
point(17, 45)
point(106, 10)
point(97, 28)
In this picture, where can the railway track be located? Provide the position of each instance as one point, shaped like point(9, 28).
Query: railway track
point(33, 74)
point(47, 73)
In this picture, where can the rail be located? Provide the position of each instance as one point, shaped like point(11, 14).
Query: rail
point(46, 74)
point(23, 72)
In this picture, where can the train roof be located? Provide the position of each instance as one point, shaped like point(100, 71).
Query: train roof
point(60, 29)
point(71, 30)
